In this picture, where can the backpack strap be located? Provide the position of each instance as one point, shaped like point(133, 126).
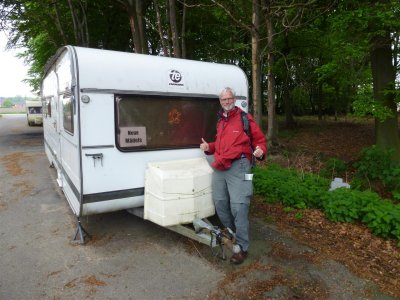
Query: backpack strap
point(246, 129)
point(245, 122)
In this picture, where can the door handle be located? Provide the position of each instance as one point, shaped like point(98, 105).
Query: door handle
point(96, 156)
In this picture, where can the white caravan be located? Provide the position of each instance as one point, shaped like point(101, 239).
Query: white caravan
point(107, 114)
point(34, 112)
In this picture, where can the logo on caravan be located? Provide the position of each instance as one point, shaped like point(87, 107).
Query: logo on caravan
point(175, 78)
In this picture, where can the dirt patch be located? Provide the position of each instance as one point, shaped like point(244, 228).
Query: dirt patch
point(342, 139)
point(54, 273)
point(23, 187)
point(3, 206)
point(14, 163)
point(267, 281)
point(32, 142)
point(92, 281)
point(365, 254)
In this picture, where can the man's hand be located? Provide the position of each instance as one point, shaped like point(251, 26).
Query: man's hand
point(258, 152)
point(204, 145)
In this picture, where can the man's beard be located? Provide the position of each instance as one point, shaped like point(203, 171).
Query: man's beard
point(228, 107)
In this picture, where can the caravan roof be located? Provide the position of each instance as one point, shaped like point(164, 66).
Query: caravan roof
point(104, 70)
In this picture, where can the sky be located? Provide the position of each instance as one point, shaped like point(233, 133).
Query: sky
point(12, 72)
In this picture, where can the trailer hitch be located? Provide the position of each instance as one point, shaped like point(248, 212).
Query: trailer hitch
point(224, 238)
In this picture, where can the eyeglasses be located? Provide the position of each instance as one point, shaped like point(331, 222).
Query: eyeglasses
point(226, 99)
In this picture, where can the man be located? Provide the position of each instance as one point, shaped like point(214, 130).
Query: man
point(233, 149)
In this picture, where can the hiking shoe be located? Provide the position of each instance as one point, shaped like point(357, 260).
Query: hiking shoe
point(238, 258)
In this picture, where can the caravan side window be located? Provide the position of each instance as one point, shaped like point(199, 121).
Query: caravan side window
point(164, 122)
point(46, 104)
point(68, 113)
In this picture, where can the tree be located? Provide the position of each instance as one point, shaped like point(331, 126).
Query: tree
point(174, 28)
point(7, 103)
point(136, 10)
point(372, 28)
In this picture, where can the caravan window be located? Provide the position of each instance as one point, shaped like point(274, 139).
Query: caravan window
point(35, 110)
point(46, 105)
point(68, 113)
point(164, 122)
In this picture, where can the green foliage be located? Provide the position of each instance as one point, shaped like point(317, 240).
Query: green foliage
point(290, 187)
point(373, 162)
point(383, 218)
point(344, 205)
point(365, 104)
point(7, 103)
point(297, 190)
point(334, 167)
point(299, 216)
point(377, 165)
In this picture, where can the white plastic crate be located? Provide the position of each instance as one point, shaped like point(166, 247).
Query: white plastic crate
point(177, 192)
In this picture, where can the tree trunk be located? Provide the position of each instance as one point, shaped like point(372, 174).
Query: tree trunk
point(58, 24)
point(81, 31)
point(169, 34)
point(140, 12)
point(75, 23)
point(255, 62)
point(287, 99)
point(131, 9)
point(272, 134)
point(289, 121)
point(174, 29)
point(160, 30)
point(383, 76)
point(319, 102)
point(183, 32)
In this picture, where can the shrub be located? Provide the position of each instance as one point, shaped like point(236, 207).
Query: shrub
point(299, 190)
point(377, 165)
point(289, 187)
point(383, 218)
point(345, 205)
point(373, 163)
point(334, 167)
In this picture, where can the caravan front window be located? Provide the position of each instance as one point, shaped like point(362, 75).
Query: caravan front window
point(164, 122)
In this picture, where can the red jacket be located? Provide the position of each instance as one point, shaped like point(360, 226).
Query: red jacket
point(232, 141)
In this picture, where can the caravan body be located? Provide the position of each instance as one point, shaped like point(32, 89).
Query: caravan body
point(106, 114)
point(34, 112)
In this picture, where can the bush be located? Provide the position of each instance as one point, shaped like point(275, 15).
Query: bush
point(345, 205)
point(383, 218)
point(373, 163)
point(376, 165)
point(334, 167)
point(289, 187)
point(299, 190)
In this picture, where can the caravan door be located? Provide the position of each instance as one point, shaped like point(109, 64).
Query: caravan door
point(68, 130)
point(51, 122)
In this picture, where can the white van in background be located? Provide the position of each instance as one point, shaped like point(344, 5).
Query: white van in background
point(34, 112)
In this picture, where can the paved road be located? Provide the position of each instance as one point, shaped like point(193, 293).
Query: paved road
point(128, 258)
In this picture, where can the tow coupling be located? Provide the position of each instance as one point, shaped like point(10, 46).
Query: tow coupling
point(224, 238)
